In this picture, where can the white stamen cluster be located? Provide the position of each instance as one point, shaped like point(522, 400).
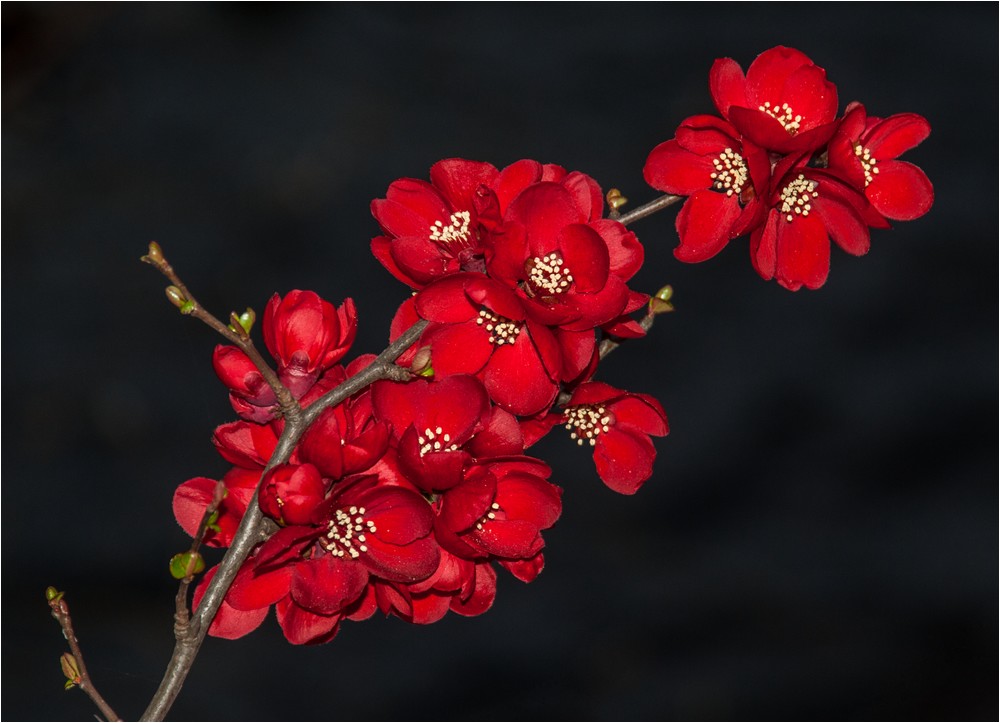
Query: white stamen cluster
point(432, 440)
point(868, 163)
point(548, 275)
point(586, 421)
point(502, 330)
point(457, 230)
point(346, 529)
point(784, 115)
point(491, 515)
point(730, 172)
point(797, 196)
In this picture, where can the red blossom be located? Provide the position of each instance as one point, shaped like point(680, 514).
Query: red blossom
point(864, 150)
point(808, 207)
point(307, 335)
point(710, 163)
point(784, 104)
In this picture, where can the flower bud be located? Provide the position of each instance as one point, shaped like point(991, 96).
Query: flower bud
point(53, 595)
point(71, 669)
point(186, 564)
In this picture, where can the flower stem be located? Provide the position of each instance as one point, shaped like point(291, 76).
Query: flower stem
point(60, 611)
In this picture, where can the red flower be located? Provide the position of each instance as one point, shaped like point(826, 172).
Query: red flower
point(570, 271)
point(864, 150)
point(785, 104)
point(433, 228)
point(481, 327)
point(807, 207)
point(307, 335)
point(250, 395)
point(318, 573)
point(617, 425)
point(708, 162)
point(432, 422)
point(193, 497)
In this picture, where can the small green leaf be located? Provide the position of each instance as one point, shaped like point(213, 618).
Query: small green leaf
point(185, 564)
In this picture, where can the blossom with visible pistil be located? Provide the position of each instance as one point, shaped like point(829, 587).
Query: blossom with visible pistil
point(708, 162)
point(784, 104)
point(864, 150)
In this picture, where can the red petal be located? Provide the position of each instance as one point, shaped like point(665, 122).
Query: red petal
point(302, 627)
point(844, 225)
point(768, 73)
point(703, 225)
point(728, 85)
point(672, 169)
point(458, 348)
point(483, 594)
point(445, 301)
point(251, 591)
point(624, 461)
point(544, 209)
point(901, 191)
point(229, 623)
point(764, 246)
point(327, 584)
point(640, 413)
point(458, 180)
point(409, 208)
point(803, 253)
point(895, 135)
point(586, 256)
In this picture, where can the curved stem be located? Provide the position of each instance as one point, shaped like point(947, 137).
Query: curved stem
point(647, 209)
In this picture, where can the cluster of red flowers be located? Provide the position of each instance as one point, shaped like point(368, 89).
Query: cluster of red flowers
point(781, 166)
point(407, 496)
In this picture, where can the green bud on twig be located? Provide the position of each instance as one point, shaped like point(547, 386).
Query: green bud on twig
point(660, 302)
point(155, 255)
point(53, 595)
point(615, 199)
point(186, 564)
point(243, 323)
point(70, 669)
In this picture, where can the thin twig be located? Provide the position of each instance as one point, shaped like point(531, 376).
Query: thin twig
point(80, 676)
point(647, 209)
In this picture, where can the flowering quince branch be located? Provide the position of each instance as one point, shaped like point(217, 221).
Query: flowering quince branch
point(72, 663)
point(401, 482)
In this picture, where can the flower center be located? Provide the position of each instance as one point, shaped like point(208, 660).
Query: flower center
point(346, 534)
point(784, 115)
point(796, 197)
point(491, 515)
point(548, 275)
point(587, 421)
point(457, 231)
point(432, 440)
point(730, 172)
point(869, 164)
point(501, 329)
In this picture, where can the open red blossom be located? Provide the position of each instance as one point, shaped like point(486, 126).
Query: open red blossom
point(319, 572)
point(307, 335)
point(710, 163)
point(570, 271)
point(616, 424)
point(864, 151)
point(784, 104)
point(808, 207)
point(481, 327)
point(499, 510)
point(431, 423)
point(291, 492)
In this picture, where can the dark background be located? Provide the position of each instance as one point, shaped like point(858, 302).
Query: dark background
point(819, 539)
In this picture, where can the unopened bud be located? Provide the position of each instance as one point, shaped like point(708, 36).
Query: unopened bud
point(155, 255)
point(53, 595)
point(242, 322)
point(660, 303)
point(70, 669)
point(186, 564)
point(615, 199)
point(421, 365)
point(178, 299)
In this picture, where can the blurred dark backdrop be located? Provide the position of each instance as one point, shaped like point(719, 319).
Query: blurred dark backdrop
point(820, 536)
